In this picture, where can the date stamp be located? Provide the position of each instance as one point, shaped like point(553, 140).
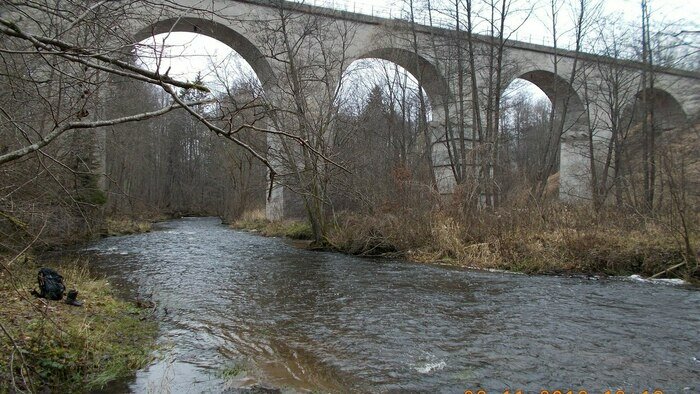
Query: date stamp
point(511, 391)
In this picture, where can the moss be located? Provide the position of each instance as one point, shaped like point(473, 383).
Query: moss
point(62, 348)
point(294, 229)
point(92, 196)
point(88, 190)
point(126, 226)
point(299, 230)
point(232, 371)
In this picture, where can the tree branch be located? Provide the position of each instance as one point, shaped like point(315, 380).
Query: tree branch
point(71, 52)
point(57, 132)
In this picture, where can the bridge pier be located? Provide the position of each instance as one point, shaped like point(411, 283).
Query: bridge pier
point(574, 170)
point(282, 202)
point(274, 207)
point(442, 166)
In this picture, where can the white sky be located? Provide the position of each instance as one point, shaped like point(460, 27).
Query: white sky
point(684, 12)
point(189, 53)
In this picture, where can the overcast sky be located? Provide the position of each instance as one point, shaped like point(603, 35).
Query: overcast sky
point(188, 53)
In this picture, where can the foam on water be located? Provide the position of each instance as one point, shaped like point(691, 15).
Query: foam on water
point(430, 367)
point(638, 278)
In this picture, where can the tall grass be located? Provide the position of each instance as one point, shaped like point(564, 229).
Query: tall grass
point(551, 239)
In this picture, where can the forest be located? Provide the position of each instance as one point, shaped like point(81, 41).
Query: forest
point(364, 179)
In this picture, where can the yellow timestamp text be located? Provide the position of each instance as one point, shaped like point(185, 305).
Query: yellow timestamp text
point(511, 391)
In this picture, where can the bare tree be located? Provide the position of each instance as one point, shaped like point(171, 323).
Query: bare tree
point(473, 136)
point(312, 51)
point(613, 94)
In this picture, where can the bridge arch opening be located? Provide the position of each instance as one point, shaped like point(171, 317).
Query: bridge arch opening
point(526, 124)
point(226, 35)
point(174, 163)
point(386, 116)
point(420, 69)
point(561, 94)
point(543, 116)
point(413, 71)
point(193, 56)
point(400, 90)
point(666, 111)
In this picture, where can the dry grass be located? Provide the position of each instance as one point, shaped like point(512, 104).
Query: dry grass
point(254, 215)
point(384, 234)
point(556, 239)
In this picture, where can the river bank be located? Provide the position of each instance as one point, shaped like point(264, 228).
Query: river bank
point(556, 240)
point(245, 310)
point(51, 346)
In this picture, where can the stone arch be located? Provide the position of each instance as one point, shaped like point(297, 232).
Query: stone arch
point(220, 32)
point(437, 90)
point(424, 71)
point(568, 108)
point(668, 112)
point(560, 93)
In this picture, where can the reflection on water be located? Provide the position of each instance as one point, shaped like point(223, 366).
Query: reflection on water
point(312, 321)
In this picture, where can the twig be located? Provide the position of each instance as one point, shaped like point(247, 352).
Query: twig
point(221, 132)
point(62, 48)
point(9, 263)
point(304, 143)
point(28, 380)
point(57, 132)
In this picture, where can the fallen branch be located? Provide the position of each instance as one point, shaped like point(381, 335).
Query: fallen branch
point(669, 270)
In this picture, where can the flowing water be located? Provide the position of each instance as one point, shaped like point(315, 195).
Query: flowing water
point(238, 310)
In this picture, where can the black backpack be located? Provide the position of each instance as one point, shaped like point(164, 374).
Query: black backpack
point(50, 284)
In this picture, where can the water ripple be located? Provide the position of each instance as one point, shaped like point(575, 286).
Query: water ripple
point(327, 322)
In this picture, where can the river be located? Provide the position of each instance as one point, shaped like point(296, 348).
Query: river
point(237, 310)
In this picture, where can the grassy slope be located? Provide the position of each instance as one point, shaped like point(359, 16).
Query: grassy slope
point(64, 348)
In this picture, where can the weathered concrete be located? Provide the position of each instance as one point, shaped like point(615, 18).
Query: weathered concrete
point(237, 23)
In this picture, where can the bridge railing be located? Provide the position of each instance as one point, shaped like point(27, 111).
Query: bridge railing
point(367, 7)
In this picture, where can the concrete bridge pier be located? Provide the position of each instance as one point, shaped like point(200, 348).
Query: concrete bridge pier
point(278, 195)
point(442, 167)
point(274, 208)
point(574, 165)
